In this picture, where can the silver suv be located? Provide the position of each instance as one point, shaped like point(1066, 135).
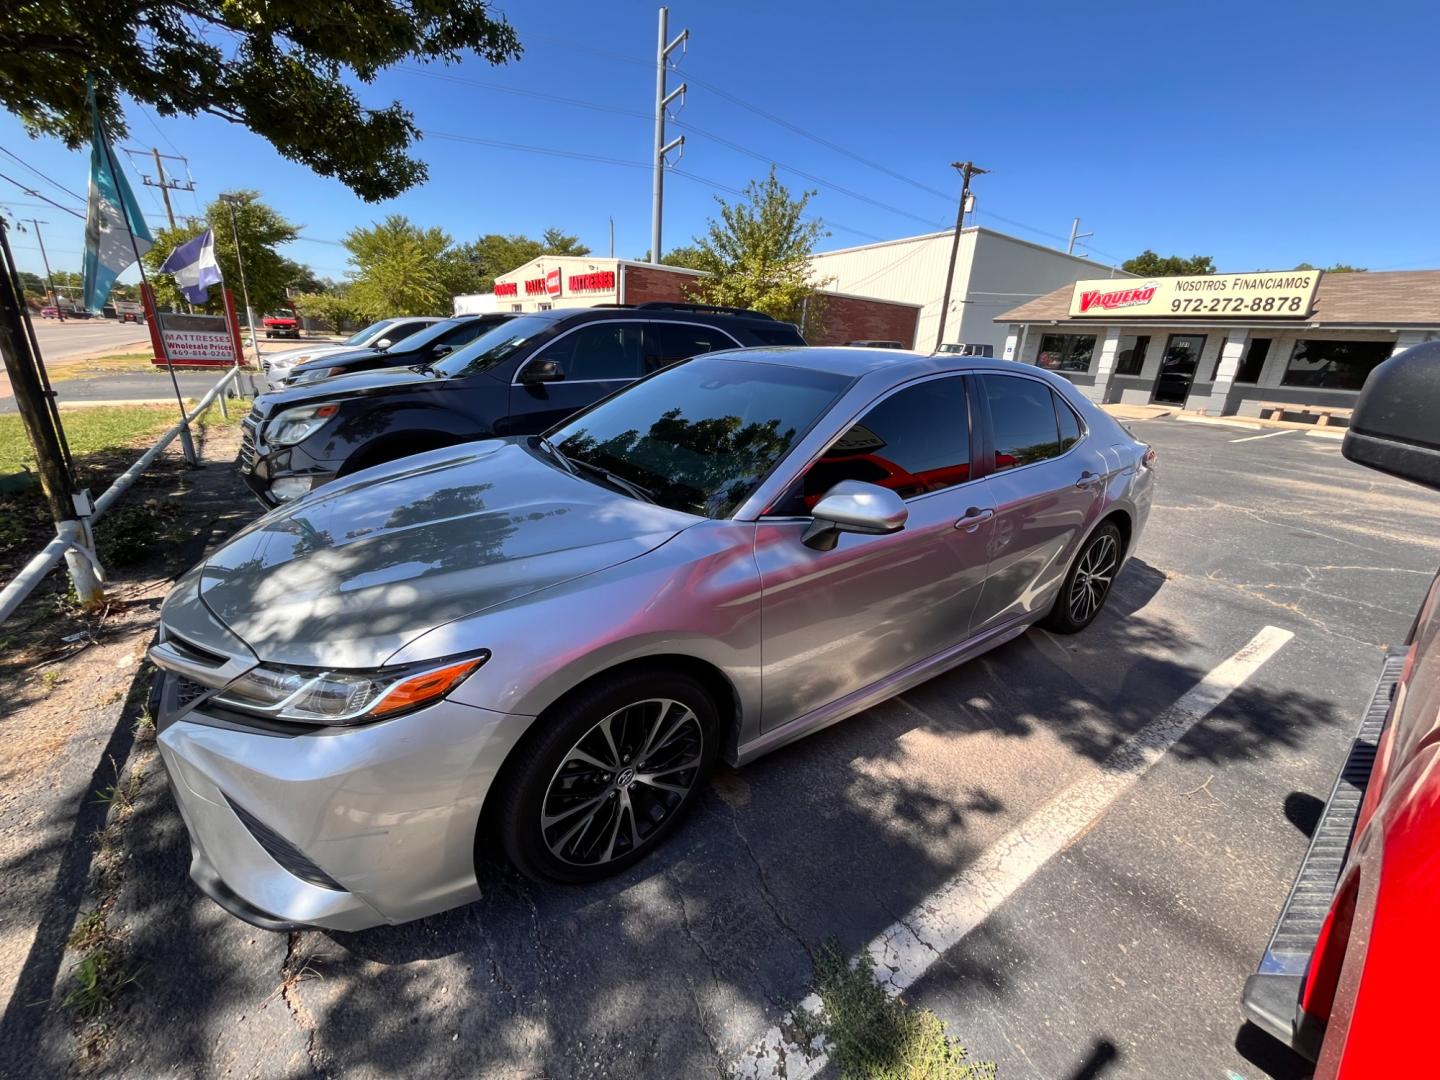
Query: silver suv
point(553, 638)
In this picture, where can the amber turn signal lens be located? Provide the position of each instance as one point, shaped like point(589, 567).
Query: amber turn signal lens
point(421, 689)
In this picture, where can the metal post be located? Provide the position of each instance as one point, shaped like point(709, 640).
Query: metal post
point(1076, 234)
point(49, 277)
point(187, 444)
point(967, 170)
point(662, 101)
point(164, 187)
point(230, 201)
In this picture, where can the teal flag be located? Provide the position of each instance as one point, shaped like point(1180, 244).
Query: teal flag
point(115, 230)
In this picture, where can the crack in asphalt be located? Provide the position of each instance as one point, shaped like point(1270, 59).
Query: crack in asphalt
point(714, 976)
point(292, 972)
point(770, 899)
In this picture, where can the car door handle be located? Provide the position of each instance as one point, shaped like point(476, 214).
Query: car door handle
point(1088, 479)
point(973, 517)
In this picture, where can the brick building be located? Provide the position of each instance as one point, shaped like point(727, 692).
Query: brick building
point(571, 281)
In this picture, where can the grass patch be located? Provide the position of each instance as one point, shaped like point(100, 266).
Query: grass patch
point(99, 979)
point(114, 364)
point(874, 1036)
point(87, 430)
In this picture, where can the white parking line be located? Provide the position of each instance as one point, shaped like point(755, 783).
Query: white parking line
point(904, 951)
point(1267, 435)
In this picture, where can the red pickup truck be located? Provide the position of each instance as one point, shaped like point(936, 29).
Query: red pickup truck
point(1346, 977)
point(281, 324)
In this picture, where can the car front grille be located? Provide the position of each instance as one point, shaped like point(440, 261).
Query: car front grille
point(246, 458)
point(188, 691)
point(265, 366)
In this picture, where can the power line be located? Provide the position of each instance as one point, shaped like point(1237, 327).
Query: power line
point(38, 195)
point(37, 172)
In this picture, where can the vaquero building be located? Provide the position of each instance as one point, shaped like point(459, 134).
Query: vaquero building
point(1221, 344)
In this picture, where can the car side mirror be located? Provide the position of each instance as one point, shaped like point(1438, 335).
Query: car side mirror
point(856, 507)
point(441, 350)
point(1393, 428)
point(384, 343)
point(542, 371)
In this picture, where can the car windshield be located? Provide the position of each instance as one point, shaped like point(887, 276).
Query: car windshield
point(493, 347)
point(421, 338)
point(369, 332)
point(701, 436)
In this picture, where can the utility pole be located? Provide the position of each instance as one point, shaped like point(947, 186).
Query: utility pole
point(165, 186)
point(230, 201)
point(37, 414)
point(612, 237)
point(1076, 234)
point(967, 170)
point(49, 277)
point(662, 148)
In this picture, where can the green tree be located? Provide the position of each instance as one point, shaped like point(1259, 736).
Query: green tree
point(403, 269)
point(687, 256)
point(1338, 268)
point(757, 255)
point(262, 230)
point(556, 242)
point(331, 307)
point(1149, 264)
point(282, 68)
point(494, 254)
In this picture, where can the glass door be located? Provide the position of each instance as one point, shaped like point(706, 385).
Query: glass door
point(1177, 368)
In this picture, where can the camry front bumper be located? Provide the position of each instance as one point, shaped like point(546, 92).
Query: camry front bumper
point(340, 828)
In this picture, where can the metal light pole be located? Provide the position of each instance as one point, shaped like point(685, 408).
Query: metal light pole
point(967, 170)
point(49, 277)
point(662, 100)
point(230, 201)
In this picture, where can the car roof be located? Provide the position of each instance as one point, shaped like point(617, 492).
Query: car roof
point(854, 362)
point(660, 313)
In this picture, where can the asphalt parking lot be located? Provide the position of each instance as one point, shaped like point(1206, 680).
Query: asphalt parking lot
point(1122, 955)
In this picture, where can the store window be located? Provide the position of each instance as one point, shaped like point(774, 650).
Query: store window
point(1257, 350)
point(1132, 360)
point(1066, 352)
point(1334, 365)
point(915, 441)
point(1023, 421)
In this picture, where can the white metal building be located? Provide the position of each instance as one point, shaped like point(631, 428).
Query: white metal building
point(993, 273)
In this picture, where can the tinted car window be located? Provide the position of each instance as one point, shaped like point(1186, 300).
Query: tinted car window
point(701, 435)
point(493, 347)
point(916, 440)
point(425, 335)
point(782, 334)
point(403, 330)
point(680, 341)
point(610, 350)
point(371, 331)
point(1022, 417)
point(1069, 424)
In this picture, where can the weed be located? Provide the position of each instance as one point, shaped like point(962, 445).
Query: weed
point(144, 729)
point(51, 679)
point(874, 1036)
point(132, 534)
point(99, 978)
point(89, 931)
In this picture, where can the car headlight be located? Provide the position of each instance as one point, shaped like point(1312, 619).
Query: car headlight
point(314, 696)
point(296, 425)
point(313, 375)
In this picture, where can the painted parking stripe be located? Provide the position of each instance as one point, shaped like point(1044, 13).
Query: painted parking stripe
point(905, 950)
point(1267, 435)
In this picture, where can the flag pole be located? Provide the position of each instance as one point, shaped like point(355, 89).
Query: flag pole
point(187, 444)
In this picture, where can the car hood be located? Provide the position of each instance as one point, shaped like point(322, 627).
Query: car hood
point(289, 356)
point(339, 357)
point(340, 387)
point(352, 572)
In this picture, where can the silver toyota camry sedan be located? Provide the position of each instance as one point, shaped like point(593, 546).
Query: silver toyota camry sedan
point(550, 640)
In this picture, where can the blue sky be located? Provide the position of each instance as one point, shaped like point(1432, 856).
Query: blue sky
point(1263, 134)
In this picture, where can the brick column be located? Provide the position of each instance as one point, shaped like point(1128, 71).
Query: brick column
point(1230, 354)
point(1104, 365)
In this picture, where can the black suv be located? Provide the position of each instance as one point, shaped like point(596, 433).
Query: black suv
point(518, 378)
point(421, 348)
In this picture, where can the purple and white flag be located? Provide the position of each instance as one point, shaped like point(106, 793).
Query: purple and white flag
point(194, 266)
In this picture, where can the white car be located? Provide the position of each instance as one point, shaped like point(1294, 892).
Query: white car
point(380, 335)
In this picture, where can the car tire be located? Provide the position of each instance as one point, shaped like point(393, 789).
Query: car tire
point(562, 815)
point(1087, 585)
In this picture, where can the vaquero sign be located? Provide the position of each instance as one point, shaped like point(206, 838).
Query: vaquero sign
point(1284, 294)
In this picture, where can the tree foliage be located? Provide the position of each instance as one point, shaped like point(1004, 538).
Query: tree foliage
point(1149, 264)
point(282, 68)
point(494, 254)
point(556, 242)
point(262, 230)
point(1337, 268)
point(404, 269)
point(757, 254)
point(333, 307)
